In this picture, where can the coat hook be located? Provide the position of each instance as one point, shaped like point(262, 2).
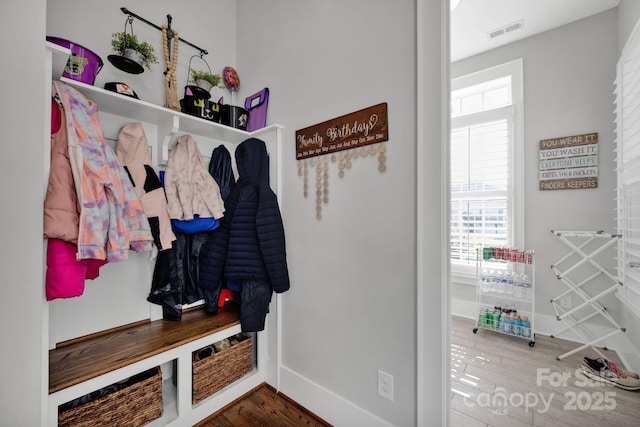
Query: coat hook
point(170, 33)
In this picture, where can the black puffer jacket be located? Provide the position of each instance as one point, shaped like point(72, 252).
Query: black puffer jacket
point(221, 170)
point(175, 276)
point(249, 245)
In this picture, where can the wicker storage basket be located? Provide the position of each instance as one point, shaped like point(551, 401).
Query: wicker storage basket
point(134, 405)
point(217, 371)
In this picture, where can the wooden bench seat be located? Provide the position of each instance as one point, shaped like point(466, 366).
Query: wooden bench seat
point(83, 359)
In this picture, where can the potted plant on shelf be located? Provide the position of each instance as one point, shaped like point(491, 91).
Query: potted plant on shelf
point(133, 54)
point(205, 79)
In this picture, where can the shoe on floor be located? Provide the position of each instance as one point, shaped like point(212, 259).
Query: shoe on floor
point(611, 376)
point(599, 363)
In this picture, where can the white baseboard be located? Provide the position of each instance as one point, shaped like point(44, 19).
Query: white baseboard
point(630, 358)
point(464, 308)
point(324, 403)
point(631, 361)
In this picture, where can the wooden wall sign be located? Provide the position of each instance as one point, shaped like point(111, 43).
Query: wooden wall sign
point(345, 138)
point(353, 130)
point(569, 163)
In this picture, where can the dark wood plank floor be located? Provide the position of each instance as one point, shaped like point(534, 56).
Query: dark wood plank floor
point(263, 406)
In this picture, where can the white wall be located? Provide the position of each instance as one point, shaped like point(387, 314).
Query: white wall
point(208, 24)
point(351, 309)
point(628, 14)
point(23, 372)
point(568, 77)
point(352, 306)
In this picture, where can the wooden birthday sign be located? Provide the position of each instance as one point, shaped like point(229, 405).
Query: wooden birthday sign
point(357, 129)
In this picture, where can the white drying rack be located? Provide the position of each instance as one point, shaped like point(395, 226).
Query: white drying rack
point(581, 244)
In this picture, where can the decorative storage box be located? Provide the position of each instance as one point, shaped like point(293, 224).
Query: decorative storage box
point(212, 371)
point(83, 64)
point(233, 116)
point(133, 402)
point(202, 108)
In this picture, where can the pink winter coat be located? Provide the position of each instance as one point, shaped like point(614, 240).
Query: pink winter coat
point(65, 274)
point(61, 212)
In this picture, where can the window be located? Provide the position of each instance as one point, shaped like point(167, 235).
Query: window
point(486, 164)
point(628, 175)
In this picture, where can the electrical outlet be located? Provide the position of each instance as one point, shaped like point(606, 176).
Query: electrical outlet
point(565, 302)
point(385, 385)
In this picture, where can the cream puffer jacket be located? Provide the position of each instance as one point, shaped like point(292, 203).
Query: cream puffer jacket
point(190, 189)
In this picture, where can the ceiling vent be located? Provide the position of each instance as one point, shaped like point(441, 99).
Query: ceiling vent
point(506, 29)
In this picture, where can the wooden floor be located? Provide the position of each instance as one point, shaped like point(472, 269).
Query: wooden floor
point(498, 380)
point(265, 407)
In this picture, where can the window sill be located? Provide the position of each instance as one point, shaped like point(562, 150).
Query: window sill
point(458, 278)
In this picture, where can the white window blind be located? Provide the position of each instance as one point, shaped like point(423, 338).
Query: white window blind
point(479, 188)
point(627, 110)
point(486, 164)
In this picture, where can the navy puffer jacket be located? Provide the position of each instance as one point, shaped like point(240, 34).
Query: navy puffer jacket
point(221, 171)
point(249, 244)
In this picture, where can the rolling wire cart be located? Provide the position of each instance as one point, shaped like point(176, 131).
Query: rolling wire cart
point(506, 285)
point(584, 247)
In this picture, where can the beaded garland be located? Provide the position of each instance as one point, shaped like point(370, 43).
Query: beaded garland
point(170, 78)
point(344, 160)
